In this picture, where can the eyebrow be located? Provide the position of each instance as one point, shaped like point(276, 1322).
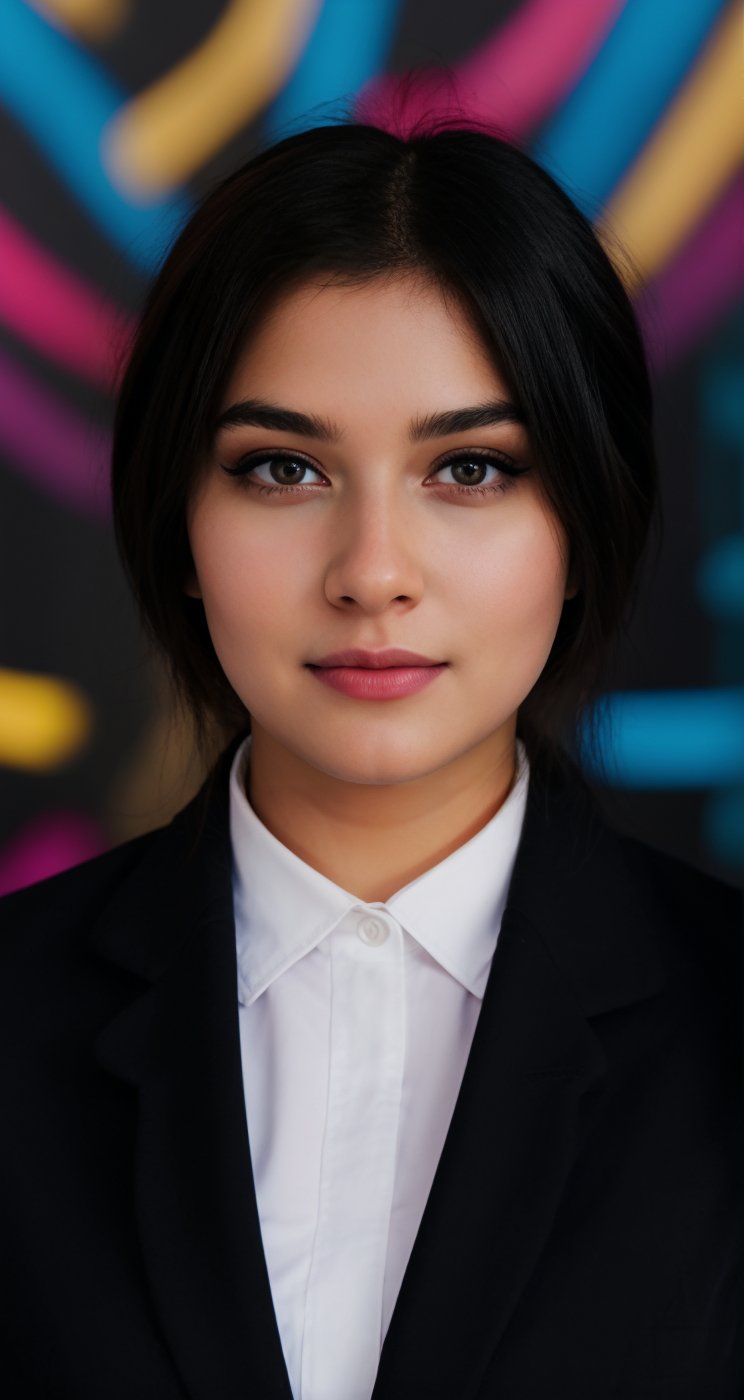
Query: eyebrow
point(257, 413)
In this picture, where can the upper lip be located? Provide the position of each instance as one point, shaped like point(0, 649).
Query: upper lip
point(375, 660)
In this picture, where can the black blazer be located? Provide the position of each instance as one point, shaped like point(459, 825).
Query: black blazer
point(584, 1234)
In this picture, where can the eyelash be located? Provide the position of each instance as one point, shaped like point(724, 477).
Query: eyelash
point(490, 458)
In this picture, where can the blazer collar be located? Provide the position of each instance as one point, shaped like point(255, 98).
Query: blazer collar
point(579, 936)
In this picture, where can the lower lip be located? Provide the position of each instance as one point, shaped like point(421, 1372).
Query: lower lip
point(390, 683)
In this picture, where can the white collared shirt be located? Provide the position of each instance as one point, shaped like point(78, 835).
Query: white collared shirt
point(356, 1022)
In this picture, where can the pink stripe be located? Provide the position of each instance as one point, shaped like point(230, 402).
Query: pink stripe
point(52, 843)
point(61, 452)
point(516, 77)
point(699, 285)
point(56, 311)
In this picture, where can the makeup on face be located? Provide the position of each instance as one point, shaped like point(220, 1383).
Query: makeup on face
point(371, 528)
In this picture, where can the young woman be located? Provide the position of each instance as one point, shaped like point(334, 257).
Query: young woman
point(387, 1068)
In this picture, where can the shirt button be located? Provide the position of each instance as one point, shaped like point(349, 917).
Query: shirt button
point(372, 931)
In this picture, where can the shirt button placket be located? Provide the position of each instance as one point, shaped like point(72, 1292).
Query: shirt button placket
point(343, 1315)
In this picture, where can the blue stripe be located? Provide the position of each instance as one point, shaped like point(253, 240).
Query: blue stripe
point(604, 123)
point(349, 45)
point(673, 739)
point(64, 100)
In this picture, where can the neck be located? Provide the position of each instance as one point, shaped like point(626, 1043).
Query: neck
point(373, 839)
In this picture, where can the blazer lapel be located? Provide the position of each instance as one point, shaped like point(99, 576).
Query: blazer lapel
point(575, 940)
point(177, 1043)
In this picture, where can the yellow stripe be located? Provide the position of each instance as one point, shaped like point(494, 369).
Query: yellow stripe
point(95, 20)
point(689, 160)
point(168, 131)
point(43, 721)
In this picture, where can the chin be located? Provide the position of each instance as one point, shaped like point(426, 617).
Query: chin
point(377, 764)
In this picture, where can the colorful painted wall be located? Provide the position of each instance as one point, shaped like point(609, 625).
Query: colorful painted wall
point(115, 115)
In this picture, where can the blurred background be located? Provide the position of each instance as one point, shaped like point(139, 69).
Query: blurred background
point(115, 115)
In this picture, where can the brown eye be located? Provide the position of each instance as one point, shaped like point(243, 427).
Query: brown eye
point(470, 469)
point(285, 471)
point(472, 472)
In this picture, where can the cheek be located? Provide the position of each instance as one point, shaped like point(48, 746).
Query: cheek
point(246, 588)
point(514, 589)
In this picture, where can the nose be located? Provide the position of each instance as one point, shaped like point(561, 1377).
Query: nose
point(375, 557)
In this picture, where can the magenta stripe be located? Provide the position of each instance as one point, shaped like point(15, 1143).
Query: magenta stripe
point(57, 449)
point(54, 310)
point(705, 278)
point(516, 77)
point(50, 844)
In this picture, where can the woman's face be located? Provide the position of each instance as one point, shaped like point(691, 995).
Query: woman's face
point(379, 530)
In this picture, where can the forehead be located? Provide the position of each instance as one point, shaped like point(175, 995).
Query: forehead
point(393, 339)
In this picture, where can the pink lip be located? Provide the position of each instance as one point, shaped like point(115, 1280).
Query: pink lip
point(374, 660)
point(367, 683)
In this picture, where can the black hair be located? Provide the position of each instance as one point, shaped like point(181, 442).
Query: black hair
point(475, 215)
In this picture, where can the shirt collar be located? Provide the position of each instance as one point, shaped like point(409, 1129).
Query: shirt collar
point(284, 907)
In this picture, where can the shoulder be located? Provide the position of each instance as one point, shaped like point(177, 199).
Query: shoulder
point(52, 991)
point(69, 901)
point(57, 914)
point(692, 893)
point(701, 915)
point(627, 919)
point(684, 897)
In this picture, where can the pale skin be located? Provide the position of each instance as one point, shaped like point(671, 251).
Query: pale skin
point(374, 546)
